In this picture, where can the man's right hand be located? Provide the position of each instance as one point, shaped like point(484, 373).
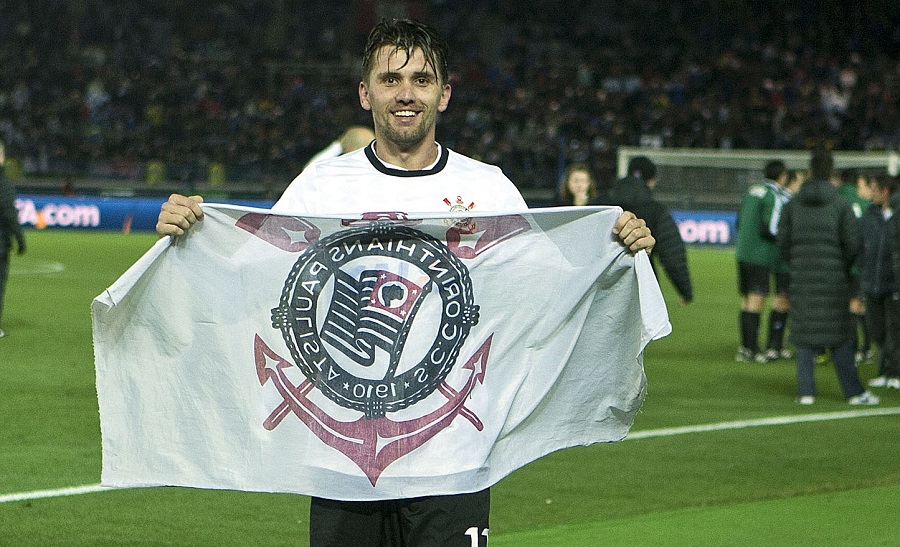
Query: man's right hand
point(178, 214)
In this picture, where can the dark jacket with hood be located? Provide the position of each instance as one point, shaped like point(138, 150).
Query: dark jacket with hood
point(633, 194)
point(876, 277)
point(819, 238)
point(10, 230)
point(893, 229)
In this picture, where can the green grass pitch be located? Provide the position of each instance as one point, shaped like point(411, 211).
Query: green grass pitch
point(815, 482)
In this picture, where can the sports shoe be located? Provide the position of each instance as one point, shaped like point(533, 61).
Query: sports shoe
point(858, 358)
point(806, 400)
point(761, 358)
point(744, 355)
point(864, 398)
point(878, 381)
point(2, 334)
point(893, 383)
point(786, 354)
point(772, 354)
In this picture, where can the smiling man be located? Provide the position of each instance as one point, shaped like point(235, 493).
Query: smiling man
point(404, 91)
point(403, 171)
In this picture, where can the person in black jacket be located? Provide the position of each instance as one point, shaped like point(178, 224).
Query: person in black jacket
point(635, 193)
point(819, 237)
point(9, 230)
point(878, 286)
point(893, 229)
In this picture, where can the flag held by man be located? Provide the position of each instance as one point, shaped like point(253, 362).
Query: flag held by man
point(364, 359)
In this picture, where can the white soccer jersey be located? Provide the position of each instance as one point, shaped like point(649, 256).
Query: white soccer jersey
point(359, 182)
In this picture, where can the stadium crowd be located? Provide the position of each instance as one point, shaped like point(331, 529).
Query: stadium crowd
point(101, 88)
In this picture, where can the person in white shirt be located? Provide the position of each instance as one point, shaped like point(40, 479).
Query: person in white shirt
point(404, 170)
point(353, 138)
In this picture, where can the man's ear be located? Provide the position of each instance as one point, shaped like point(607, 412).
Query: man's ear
point(445, 98)
point(364, 96)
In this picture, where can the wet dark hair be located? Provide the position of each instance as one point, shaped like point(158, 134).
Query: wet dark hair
point(821, 163)
point(407, 35)
point(642, 167)
point(887, 182)
point(774, 169)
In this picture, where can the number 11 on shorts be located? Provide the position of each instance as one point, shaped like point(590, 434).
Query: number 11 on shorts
point(473, 535)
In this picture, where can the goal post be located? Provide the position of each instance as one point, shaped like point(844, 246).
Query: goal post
point(705, 178)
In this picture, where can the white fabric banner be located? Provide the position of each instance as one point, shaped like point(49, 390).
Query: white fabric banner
point(370, 359)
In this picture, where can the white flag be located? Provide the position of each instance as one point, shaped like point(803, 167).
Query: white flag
point(374, 358)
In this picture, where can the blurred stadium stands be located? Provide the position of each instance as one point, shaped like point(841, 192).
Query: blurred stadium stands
point(151, 96)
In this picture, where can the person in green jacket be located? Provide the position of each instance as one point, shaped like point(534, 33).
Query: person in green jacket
point(759, 262)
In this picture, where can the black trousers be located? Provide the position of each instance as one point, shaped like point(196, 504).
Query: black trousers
point(883, 319)
point(4, 275)
point(459, 520)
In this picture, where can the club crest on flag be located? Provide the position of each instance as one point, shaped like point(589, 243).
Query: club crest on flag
point(375, 317)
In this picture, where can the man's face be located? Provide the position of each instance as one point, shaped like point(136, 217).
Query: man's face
point(880, 196)
point(404, 97)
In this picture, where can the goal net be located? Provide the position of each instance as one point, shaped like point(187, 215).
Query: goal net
point(715, 179)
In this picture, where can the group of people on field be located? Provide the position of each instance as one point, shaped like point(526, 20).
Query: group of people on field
point(831, 247)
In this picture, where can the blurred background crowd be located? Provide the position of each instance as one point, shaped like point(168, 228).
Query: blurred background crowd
point(102, 88)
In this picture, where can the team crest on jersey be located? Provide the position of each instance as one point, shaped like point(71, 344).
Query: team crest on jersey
point(459, 206)
point(375, 317)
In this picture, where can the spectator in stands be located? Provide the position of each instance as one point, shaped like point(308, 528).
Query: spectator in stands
point(578, 186)
point(634, 192)
point(759, 263)
point(819, 237)
point(10, 230)
point(879, 287)
point(128, 84)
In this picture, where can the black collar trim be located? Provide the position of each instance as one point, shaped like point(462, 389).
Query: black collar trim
point(377, 164)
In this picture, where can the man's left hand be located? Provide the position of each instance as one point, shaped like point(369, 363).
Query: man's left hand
point(634, 233)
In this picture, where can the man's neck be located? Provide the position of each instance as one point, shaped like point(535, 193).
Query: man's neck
point(412, 158)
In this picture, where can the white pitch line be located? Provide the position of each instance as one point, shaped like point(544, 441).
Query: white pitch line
point(777, 420)
point(40, 494)
point(650, 433)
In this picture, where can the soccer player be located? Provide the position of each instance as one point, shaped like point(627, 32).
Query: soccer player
point(758, 260)
point(405, 86)
point(354, 138)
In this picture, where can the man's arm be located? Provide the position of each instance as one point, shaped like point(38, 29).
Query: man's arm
point(673, 255)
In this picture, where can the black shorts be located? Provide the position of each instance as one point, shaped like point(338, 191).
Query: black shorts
point(439, 521)
point(756, 279)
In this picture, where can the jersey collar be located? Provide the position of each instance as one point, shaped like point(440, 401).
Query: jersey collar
point(387, 170)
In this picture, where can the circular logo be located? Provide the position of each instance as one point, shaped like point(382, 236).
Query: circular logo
point(375, 316)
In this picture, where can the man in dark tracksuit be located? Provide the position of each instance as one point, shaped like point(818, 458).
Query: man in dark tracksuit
point(878, 286)
point(819, 237)
point(634, 193)
point(9, 230)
